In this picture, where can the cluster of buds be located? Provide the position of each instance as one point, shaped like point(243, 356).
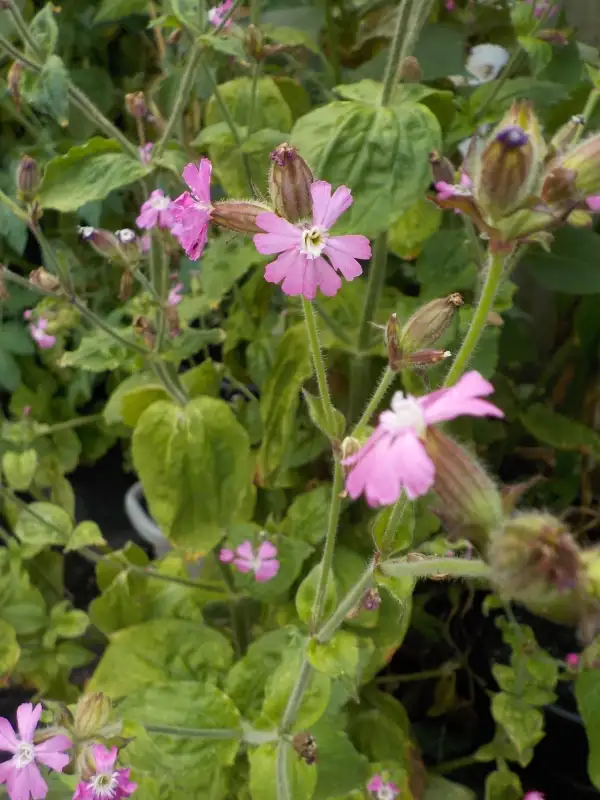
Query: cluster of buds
point(518, 187)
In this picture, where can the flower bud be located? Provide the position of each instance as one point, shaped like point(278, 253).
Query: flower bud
point(290, 179)
point(238, 215)
point(44, 280)
point(535, 560)
point(429, 323)
point(103, 242)
point(565, 135)
point(391, 343)
point(254, 43)
point(349, 447)
point(524, 223)
point(469, 502)
point(135, 102)
point(172, 320)
point(506, 175)
point(305, 745)
point(585, 160)
point(28, 178)
point(410, 70)
point(559, 186)
point(423, 358)
point(13, 82)
point(125, 286)
point(442, 168)
point(92, 713)
point(144, 328)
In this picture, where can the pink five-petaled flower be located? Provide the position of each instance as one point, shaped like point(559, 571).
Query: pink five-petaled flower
point(572, 660)
point(263, 563)
point(39, 335)
point(382, 790)
point(301, 267)
point(447, 190)
point(191, 210)
point(394, 457)
point(593, 202)
point(175, 295)
point(107, 783)
point(155, 211)
point(217, 14)
point(21, 773)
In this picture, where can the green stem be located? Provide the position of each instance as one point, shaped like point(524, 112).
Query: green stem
point(454, 764)
point(592, 100)
point(452, 567)
point(72, 423)
point(23, 30)
point(493, 278)
point(348, 604)
point(333, 40)
point(326, 562)
point(238, 621)
point(159, 278)
point(194, 733)
point(384, 384)
point(390, 77)
point(317, 357)
point(13, 207)
point(400, 507)
point(282, 783)
point(180, 99)
point(161, 371)
point(289, 715)
point(410, 677)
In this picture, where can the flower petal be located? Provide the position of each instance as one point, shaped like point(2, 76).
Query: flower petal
point(347, 265)
point(245, 551)
point(268, 243)
point(351, 245)
point(8, 737)
point(242, 565)
point(23, 782)
point(271, 223)
point(51, 755)
point(327, 279)
point(267, 570)
point(288, 261)
point(593, 202)
point(461, 399)
point(105, 759)
point(375, 783)
point(412, 465)
point(198, 179)
point(28, 717)
point(327, 207)
point(226, 556)
point(266, 550)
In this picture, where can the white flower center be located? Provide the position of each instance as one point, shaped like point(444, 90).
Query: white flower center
point(126, 236)
point(105, 783)
point(25, 754)
point(406, 413)
point(385, 792)
point(160, 203)
point(313, 241)
point(85, 231)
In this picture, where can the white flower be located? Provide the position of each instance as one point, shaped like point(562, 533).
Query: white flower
point(485, 63)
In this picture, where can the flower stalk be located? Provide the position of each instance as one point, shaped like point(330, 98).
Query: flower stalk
point(181, 98)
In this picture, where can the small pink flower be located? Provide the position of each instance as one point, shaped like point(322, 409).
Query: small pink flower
point(394, 457)
point(27, 314)
point(155, 211)
point(447, 190)
point(593, 202)
point(540, 7)
point(572, 660)
point(39, 335)
point(450, 5)
point(145, 152)
point(26, 411)
point(263, 563)
point(382, 790)
point(21, 773)
point(217, 14)
point(534, 796)
point(108, 783)
point(191, 210)
point(301, 267)
point(175, 295)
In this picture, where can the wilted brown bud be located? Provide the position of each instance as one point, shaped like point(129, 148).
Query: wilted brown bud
point(125, 286)
point(349, 447)
point(410, 70)
point(13, 82)
point(290, 179)
point(44, 280)
point(391, 343)
point(441, 168)
point(28, 178)
point(429, 323)
point(174, 36)
point(469, 502)
point(92, 714)
point(172, 319)
point(238, 215)
point(135, 102)
point(423, 358)
point(371, 600)
point(553, 36)
point(559, 186)
point(144, 328)
point(306, 746)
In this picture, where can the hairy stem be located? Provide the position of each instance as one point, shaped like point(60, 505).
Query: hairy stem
point(181, 98)
point(319, 364)
point(452, 567)
point(384, 384)
point(327, 560)
point(348, 604)
point(194, 733)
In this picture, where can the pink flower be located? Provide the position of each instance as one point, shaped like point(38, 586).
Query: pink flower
point(301, 267)
point(572, 660)
point(27, 314)
point(382, 790)
point(263, 563)
point(21, 773)
point(191, 210)
point(26, 411)
point(39, 335)
point(593, 202)
point(394, 457)
point(108, 783)
point(175, 296)
point(217, 14)
point(155, 211)
point(145, 243)
point(447, 190)
point(540, 7)
point(145, 153)
point(450, 5)
point(534, 796)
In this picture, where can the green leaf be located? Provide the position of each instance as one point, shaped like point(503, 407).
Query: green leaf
point(280, 686)
point(302, 778)
point(132, 397)
point(587, 692)
point(341, 768)
point(50, 91)
point(446, 265)
point(117, 9)
point(559, 431)
point(338, 657)
point(10, 374)
point(9, 649)
point(13, 230)
point(572, 265)
point(65, 623)
point(159, 651)
point(99, 352)
point(44, 30)
point(380, 729)
point(402, 536)
point(348, 566)
point(188, 766)
point(15, 338)
point(288, 36)
point(203, 477)
point(205, 379)
point(316, 412)
point(440, 50)
point(539, 52)
point(88, 172)
point(408, 233)
point(86, 534)
point(439, 788)
point(381, 154)
point(307, 592)
point(41, 525)
point(223, 264)
point(21, 604)
point(280, 397)
point(541, 94)
point(307, 516)
point(19, 468)
point(230, 45)
point(523, 724)
point(270, 111)
point(502, 784)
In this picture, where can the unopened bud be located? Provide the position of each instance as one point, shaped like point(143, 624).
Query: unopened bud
point(306, 746)
point(371, 600)
point(13, 82)
point(128, 244)
point(103, 242)
point(553, 36)
point(290, 179)
point(469, 502)
point(423, 358)
point(28, 178)
point(392, 344)
point(410, 70)
point(442, 168)
point(92, 714)
point(135, 102)
point(584, 159)
point(238, 215)
point(144, 328)
point(44, 280)
point(559, 186)
point(504, 179)
point(254, 43)
point(172, 319)
point(125, 286)
point(429, 323)
point(566, 134)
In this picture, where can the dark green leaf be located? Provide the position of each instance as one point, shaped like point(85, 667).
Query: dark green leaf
point(572, 266)
point(117, 9)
